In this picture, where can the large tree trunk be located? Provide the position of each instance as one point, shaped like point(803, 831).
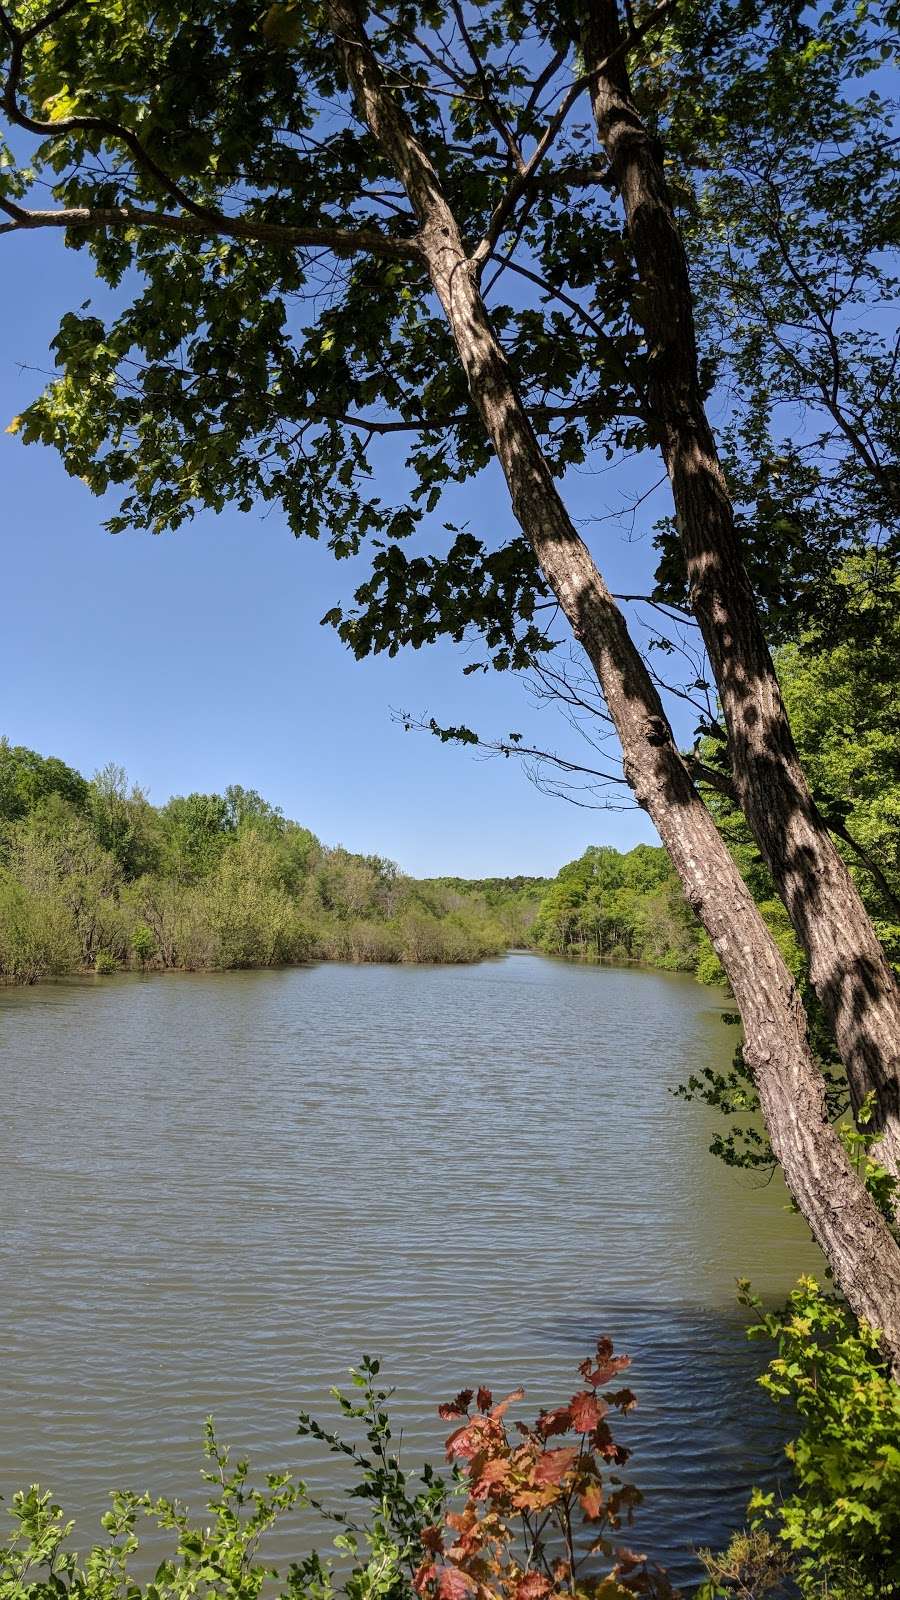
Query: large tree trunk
point(852, 1233)
point(847, 964)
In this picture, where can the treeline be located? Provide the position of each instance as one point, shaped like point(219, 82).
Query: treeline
point(94, 877)
point(607, 906)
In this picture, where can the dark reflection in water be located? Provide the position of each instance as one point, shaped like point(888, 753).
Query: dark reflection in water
point(219, 1190)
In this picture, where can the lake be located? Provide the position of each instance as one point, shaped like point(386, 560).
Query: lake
point(218, 1190)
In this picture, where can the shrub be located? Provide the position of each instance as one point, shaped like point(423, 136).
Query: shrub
point(839, 1525)
point(540, 1519)
point(105, 962)
point(37, 933)
point(143, 943)
point(512, 1539)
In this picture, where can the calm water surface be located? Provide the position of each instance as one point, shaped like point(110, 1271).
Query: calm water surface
point(219, 1190)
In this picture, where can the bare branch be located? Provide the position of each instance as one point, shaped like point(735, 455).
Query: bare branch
point(519, 184)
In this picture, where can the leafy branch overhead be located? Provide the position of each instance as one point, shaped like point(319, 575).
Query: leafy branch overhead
point(195, 148)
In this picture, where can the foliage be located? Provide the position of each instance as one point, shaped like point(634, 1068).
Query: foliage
point(753, 1567)
point(26, 778)
point(538, 1514)
point(780, 122)
point(270, 362)
point(224, 1557)
point(838, 1528)
point(390, 1544)
point(210, 881)
point(842, 699)
point(609, 906)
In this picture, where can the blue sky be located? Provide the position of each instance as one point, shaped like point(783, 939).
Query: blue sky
point(197, 660)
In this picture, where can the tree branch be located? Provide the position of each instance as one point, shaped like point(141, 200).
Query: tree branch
point(519, 184)
point(200, 220)
point(342, 241)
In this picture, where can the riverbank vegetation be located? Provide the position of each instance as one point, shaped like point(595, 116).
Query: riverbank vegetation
point(607, 906)
point(94, 877)
point(519, 1511)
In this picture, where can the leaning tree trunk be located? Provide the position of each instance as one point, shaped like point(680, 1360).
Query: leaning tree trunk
point(847, 964)
point(850, 1230)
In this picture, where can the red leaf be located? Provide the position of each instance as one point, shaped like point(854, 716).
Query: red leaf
point(515, 1394)
point(432, 1540)
point(424, 1575)
point(534, 1586)
point(453, 1584)
point(627, 1560)
point(479, 1433)
point(607, 1365)
point(586, 1411)
point(591, 1499)
point(553, 1465)
point(492, 1475)
point(456, 1407)
point(557, 1421)
point(484, 1399)
point(460, 1521)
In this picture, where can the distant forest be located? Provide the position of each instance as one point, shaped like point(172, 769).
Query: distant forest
point(93, 877)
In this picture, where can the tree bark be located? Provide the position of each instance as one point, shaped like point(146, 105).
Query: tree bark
point(847, 964)
point(850, 1230)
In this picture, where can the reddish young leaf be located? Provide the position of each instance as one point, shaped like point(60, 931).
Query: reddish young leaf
point(591, 1500)
point(461, 1521)
point(432, 1540)
point(607, 1365)
point(557, 1421)
point(536, 1499)
point(552, 1466)
point(586, 1411)
point(624, 1400)
point(627, 1560)
point(515, 1394)
point(493, 1476)
point(534, 1586)
point(424, 1576)
point(479, 1434)
point(456, 1407)
point(484, 1399)
point(454, 1585)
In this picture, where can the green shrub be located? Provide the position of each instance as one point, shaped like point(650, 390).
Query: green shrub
point(37, 933)
point(838, 1524)
point(143, 943)
point(105, 962)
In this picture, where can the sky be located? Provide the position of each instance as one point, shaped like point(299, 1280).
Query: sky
point(196, 659)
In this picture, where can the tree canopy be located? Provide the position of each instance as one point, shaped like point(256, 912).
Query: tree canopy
point(278, 338)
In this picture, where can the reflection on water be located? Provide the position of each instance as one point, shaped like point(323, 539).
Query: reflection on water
point(218, 1190)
